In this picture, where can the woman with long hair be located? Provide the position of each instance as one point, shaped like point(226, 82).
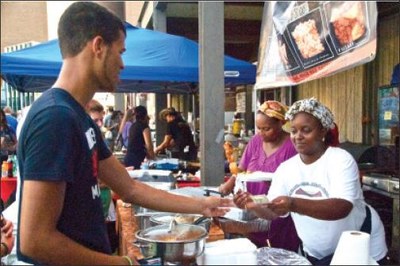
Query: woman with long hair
point(140, 145)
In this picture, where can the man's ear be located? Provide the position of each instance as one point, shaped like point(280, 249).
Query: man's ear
point(98, 45)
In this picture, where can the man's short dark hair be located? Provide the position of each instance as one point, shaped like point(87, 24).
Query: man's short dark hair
point(81, 22)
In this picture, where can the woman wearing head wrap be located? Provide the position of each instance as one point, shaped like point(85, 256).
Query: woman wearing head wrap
point(265, 152)
point(140, 145)
point(319, 187)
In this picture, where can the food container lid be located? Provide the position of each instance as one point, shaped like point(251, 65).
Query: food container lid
point(166, 218)
point(255, 176)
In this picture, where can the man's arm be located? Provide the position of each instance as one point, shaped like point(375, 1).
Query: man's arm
point(130, 190)
point(39, 238)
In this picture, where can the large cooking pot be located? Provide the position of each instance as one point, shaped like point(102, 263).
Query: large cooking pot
point(183, 242)
point(143, 219)
point(166, 218)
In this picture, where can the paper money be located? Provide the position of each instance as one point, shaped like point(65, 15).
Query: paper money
point(260, 199)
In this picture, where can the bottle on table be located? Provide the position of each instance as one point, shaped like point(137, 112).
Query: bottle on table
point(4, 169)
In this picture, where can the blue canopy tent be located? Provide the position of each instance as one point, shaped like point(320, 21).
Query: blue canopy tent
point(154, 62)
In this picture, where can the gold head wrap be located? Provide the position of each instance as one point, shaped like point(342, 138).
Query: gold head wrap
point(274, 109)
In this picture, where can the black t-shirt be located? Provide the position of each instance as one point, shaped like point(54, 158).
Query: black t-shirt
point(182, 136)
point(60, 142)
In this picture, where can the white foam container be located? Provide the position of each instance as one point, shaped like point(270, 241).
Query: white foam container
point(243, 178)
point(238, 251)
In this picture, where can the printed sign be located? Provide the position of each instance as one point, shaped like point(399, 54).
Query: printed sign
point(302, 41)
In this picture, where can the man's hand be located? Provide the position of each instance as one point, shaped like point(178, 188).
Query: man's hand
point(132, 256)
point(216, 206)
point(7, 238)
point(6, 227)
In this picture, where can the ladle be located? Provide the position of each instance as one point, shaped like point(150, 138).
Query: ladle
point(199, 220)
point(172, 226)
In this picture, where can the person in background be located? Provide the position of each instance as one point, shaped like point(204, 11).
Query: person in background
point(118, 144)
point(7, 238)
point(107, 117)
point(178, 138)
point(11, 120)
point(140, 145)
point(111, 124)
point(126, 123)
point(8, 138)
point(96, 113)
point(319, 187)
point(61, 220)
point(395, 80)
point(265, 152)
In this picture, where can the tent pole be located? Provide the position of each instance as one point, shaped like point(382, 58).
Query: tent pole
point(194, 118)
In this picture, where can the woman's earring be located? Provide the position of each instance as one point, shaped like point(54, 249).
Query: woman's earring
point(323, 139)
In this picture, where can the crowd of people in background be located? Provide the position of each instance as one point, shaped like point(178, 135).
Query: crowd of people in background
point(115, 126)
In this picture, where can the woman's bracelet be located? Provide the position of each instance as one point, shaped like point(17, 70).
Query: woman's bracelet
point(6, 248)
point(127, 258)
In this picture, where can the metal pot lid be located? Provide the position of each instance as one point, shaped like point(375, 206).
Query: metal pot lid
point(182, 233)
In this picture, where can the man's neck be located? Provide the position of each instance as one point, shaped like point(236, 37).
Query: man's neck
point(73, 79)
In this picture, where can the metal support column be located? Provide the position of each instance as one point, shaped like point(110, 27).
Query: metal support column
point(160, 24)
point(211, 81)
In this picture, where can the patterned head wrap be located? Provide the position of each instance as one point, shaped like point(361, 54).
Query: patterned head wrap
point(274, 109)
point(315, 108)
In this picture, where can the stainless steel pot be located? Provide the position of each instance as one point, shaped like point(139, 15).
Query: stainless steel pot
point(166, 218)
point(184, 243)
point(143, 219)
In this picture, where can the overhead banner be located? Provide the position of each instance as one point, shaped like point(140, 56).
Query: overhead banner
point(302, 41)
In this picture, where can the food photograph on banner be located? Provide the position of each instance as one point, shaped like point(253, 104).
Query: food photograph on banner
point(308, 37)
point(348, 24)
point(314, 39)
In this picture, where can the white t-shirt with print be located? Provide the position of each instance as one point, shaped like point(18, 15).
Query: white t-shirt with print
point(334, 175)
